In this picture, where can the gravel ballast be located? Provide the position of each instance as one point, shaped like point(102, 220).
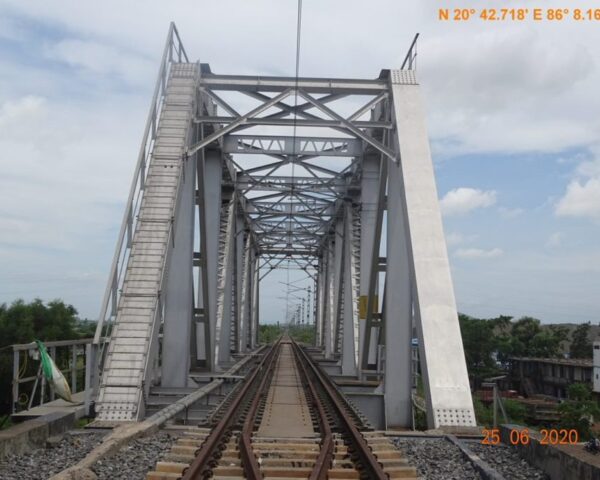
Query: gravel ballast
point(45, 462)
point(134, 460)
point(437, 459)
point(506, 461)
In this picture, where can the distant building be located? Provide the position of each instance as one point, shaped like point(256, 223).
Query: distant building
point(552, 376)
point(596, 363)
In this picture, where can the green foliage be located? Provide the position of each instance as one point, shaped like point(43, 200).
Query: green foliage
point(22, 323)
point(515, 411)
point(581, 346)
point(489, 343)
point(420, 420)
point(479, 343)
point(5, 422)
point(483, 414)
point(530, 340)
point(579, 410)
point(268, 333)
point(302, 333)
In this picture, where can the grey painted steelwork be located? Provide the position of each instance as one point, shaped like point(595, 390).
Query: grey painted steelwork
point(222, 196)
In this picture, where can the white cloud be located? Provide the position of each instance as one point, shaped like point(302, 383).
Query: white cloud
point(29, 109)
point(582, 195)
point(102, 59)
point(462, 200)
point(476, 253)
point(590, 168)
point(517, 88)
point(555, 240)
point(504, 97)
point(510, 212)
point(582, 199)
point(456, 238)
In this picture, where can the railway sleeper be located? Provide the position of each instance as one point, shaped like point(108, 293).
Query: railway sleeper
point(286, 458)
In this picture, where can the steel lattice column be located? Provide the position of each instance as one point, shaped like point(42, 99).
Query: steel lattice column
point(329, 300)
point(351, 291)
point(338, 262)
point(245, 297)
point(368, 217)
point(318, 302)
point(239, 273)
point(255, 301)
point(225, 283)
point(210, 208)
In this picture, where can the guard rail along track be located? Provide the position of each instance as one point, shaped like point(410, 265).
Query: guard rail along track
point(286, 420)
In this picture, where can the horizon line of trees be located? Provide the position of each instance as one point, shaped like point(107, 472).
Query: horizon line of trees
point(489, 343)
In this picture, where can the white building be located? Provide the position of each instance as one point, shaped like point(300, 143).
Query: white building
point(596, 363)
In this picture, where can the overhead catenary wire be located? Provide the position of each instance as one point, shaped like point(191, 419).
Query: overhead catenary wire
point(294, 152)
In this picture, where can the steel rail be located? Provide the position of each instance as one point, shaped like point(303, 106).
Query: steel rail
point(206, 452)
point(367, 458)
point(249, 462)
point(326, 454)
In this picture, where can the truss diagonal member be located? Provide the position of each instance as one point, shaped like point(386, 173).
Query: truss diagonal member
point(273, 267)
point(252, 187)
point(368, 106)
point(303, 268)
point(266, 197)
point(299, 110)
point(325, 182)
point(290, 110)
point(263, 167)
point(239, 121)
point(327, 171)
point(219, 101)
point(349, 126)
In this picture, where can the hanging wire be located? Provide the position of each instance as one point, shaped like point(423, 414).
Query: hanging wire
point(293, 157)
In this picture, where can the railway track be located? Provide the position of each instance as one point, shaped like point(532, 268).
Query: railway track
point(287, 420)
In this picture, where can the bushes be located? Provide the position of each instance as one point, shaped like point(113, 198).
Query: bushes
point(579, 410)
point(302, 333)
point(268, 333)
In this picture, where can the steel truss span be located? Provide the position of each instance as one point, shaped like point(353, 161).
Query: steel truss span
point(240, 175)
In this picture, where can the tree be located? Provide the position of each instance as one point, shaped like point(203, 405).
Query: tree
point(479, 343)
point(547, 342)
point(528, 339)
point(581, 345)
point(579, 410)
point(523, 332)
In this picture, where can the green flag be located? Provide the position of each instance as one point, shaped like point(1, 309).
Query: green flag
point(53, 374)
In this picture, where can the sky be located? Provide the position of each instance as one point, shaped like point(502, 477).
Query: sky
point(512, 113)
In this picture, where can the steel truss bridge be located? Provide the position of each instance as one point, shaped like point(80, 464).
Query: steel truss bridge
point(239, 175)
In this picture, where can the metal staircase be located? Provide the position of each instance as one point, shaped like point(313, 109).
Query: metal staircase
point(139, 314)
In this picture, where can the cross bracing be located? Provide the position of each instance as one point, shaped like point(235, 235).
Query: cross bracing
point(241, 175)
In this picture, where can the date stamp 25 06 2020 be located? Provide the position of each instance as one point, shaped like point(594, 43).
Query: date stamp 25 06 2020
point(550, 436)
